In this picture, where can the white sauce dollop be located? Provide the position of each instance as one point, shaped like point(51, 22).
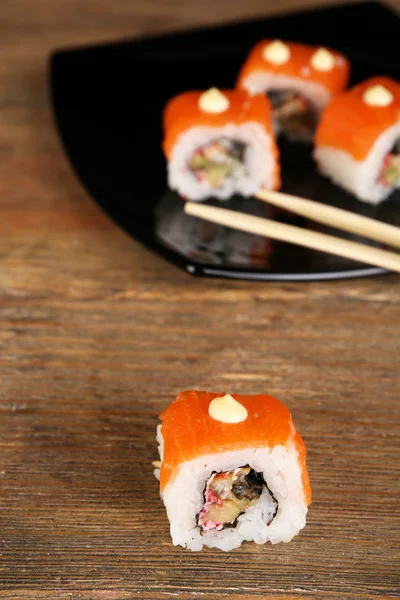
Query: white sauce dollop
point(227, 410)
point(213, 101)
point(322, 60)
point(276, 53)
point(378, 95)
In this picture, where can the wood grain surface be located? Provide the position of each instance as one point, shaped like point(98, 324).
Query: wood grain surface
point(97, 335)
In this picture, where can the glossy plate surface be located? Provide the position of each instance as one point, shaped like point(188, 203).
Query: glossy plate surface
point(108, 102)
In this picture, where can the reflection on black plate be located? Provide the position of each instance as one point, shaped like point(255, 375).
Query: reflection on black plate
point(108, 102)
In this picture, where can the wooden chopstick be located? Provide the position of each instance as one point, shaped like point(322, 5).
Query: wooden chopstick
point(295, 235)
point(335, 217)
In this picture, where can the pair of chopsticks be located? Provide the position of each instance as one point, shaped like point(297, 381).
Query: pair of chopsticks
point(328, 215)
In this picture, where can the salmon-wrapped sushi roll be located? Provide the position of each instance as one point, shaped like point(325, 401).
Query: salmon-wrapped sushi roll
point(232, 469)
point(299, 80)
point(219, 143)
point(358, 139)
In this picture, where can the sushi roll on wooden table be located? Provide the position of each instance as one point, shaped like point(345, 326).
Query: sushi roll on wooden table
point(232, 469)
point(219, 143)
point(358, 140)
point(299, 80)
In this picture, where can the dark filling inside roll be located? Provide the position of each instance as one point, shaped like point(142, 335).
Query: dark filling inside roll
point(229, 494)
point(389, 175)
point(294, 113)
point(218, 160)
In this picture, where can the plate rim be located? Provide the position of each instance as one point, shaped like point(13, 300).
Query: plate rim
point(155, 246)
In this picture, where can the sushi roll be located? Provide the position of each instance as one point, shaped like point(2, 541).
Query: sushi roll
point(299, 80)
point(218, 143)
point(358, 140)
point(232, 469)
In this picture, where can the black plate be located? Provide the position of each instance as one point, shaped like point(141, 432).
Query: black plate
point(108, 102)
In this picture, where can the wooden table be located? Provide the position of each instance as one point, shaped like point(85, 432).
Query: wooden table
point(97, 335)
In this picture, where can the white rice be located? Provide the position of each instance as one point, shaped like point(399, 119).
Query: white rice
point(183, 498)
point(360, 177)
point(258, 160)
point(260, 82)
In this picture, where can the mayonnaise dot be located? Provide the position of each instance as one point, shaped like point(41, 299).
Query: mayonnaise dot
point(378, 95)
point(213, 101)
point(227, 410)
point(322, 60)
point(277, 52)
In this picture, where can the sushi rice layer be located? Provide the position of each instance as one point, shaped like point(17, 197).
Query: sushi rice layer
point(183, 497)
point(259, 168)
point(360, 177)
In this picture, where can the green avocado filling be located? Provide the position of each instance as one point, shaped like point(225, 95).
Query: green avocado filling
point(390, 173)
point(213, 163)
